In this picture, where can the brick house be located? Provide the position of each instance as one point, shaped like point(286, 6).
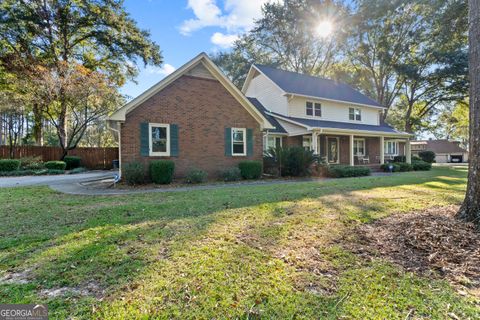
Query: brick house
point(195, 117)
point(199, 119)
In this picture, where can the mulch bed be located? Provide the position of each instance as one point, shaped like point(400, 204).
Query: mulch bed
point(431, 242)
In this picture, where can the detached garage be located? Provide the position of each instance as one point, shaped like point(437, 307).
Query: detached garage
point(445, 151)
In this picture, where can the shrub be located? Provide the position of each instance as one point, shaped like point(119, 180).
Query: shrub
point(134, 173)
point(340, 171)
point(196, 176)
point(161, 171)
point(55, 165)
point(32, 163)
point(420, 165)
point(404, 167)
point(400, 159)
point(416, 158)
point(7, 165)
point(231, 174)
point(17, 173)
point(72, 162)
point(427, 156)
point(250, 169)
point(78, 170)
point(290, 161)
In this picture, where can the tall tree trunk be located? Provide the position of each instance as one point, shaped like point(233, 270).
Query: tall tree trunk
point(470, 210)
point(37, 125)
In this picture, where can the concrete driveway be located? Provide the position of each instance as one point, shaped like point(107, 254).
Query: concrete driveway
point(52, 181)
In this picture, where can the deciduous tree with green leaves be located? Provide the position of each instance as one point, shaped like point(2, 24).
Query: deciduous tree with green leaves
point(98, 35)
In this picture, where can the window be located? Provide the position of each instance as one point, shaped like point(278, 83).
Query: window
point(313, 109)
point(359, 147)
point(272, 142)
point(159, 142)
point(391, 147)
point(307, 142)
point(239, 142)
point(355, 114)
point(309, 109)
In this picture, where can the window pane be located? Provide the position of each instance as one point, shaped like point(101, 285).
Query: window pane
point(318, 110)
point(358, 115)
point(278, 142)
point(309, 109)
point(238, 148)
point(159, 139)
point(351, 114)
point(238, 136)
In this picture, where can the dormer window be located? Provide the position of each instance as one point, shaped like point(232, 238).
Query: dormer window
point(313, 109)
point(355, 114)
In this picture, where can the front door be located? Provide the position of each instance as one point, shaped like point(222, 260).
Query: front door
point(332, 150)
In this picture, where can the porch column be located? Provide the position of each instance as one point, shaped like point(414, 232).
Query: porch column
point(382, 151)
point(408, 151)
point(352, 156)
point(314, 142)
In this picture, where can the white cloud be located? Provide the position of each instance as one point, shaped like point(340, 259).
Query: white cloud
point(236, 16)
point(223, 40)
point(164, 70)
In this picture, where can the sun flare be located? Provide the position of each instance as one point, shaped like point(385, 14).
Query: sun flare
point(324, 29)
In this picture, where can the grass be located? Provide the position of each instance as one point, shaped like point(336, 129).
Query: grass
point(249, 252)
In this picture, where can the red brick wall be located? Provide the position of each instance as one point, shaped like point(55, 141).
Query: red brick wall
point(202, 109)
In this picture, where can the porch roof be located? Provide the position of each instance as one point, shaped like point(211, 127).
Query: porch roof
point(271, 119)
point(324, 124)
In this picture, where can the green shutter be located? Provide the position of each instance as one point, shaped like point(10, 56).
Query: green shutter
point(144, 142)
point(174, 140)
point(249, 142)
point(228, 142)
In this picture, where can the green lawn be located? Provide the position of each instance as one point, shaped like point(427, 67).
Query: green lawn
point(249, 252)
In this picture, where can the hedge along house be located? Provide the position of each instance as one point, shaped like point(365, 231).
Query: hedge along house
point(195, 117)
point(337, 122)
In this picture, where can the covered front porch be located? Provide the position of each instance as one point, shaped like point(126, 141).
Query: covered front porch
point(354, 149)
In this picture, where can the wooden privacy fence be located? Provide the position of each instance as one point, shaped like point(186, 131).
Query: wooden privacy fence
point(92, 158)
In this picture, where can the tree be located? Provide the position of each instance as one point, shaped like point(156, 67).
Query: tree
point(382, 34)
point(452, 123)
point(88, 95)
point(285, 36)
point(99, 35)
point(470, 210)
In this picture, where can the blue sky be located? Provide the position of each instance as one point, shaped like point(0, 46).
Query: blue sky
point(184, 28)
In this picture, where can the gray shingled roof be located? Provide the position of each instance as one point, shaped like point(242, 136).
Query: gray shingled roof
point(443, 146)
point(301, 84)
point(272, 120)
point(341, 125)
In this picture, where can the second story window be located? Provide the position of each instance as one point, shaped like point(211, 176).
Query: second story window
point(355, 114)
point(313, 109)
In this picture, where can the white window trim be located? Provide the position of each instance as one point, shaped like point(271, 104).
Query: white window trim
point(265, 142)
point(364, 146)
point(150, 144)
point(354, 115)
point(309, 138)
point(313, 109)
point(244, 130)
point(385, 148)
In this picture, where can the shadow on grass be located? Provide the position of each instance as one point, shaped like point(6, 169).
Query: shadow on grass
point(116, 243)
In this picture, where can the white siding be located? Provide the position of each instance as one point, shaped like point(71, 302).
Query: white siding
point(267, 93)
point(292, 129)
point(332, 111)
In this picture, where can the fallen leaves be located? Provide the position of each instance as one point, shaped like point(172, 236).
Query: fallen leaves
point(431, 242)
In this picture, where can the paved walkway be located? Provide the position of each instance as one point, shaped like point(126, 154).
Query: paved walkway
point(96, 184)
point(8, 182)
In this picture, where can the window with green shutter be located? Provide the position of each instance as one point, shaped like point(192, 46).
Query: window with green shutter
point(249, 142)
point(144, 140)
point(174, 140)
